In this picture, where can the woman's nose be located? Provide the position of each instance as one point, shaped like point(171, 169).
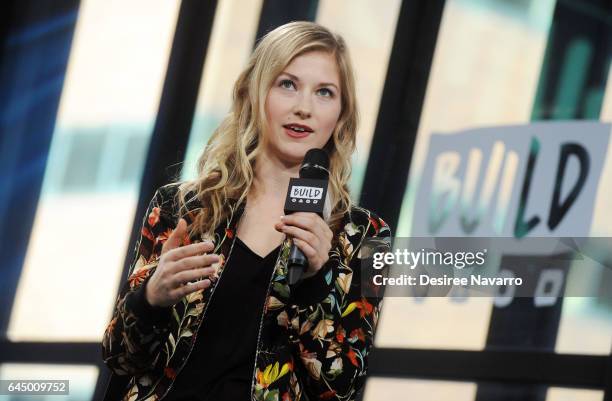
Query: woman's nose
point(302, 114)
point(303, 107)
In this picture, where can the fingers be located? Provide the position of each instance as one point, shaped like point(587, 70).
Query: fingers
point(311, 222)
point(179, 265)
point(313, 247)
point(310, 234)
point(189, 250)
point(193, 262)
point(191, 275)
point(176, 237)
point(304, 235)
point(169, 288)
point(308, 250)
point(189, 288)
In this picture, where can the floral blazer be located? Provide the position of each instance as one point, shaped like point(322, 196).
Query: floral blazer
point(314, 338)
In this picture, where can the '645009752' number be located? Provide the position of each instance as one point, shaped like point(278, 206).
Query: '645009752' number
point(8, 387)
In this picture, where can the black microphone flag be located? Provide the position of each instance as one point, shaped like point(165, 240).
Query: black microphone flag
point(306, 194)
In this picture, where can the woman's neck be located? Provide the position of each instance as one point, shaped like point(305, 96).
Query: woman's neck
point(271, 179)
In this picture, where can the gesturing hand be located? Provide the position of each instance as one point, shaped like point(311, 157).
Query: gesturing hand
point(178, 267)
point(311, 235)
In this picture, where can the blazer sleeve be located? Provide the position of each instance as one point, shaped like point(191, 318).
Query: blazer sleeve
point(333, 337)
point(133, 339)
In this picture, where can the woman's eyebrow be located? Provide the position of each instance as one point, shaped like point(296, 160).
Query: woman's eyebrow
point(295, 78)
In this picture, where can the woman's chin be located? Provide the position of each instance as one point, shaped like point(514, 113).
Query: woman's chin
point(293, 153)
point(288, 154)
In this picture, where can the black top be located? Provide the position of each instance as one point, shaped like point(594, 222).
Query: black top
point(220, 366)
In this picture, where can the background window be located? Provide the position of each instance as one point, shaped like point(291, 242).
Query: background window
point(484, 72)
point(83, 221)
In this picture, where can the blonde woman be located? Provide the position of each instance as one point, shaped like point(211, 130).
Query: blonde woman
point(207, 312)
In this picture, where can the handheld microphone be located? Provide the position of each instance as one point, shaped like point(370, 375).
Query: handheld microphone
point(306, 194)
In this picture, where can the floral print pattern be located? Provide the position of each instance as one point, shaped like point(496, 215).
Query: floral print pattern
point(314, 338)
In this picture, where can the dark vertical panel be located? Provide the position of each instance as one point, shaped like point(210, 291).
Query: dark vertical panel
point(278, 12)
point(400, 108)
point(34, 54)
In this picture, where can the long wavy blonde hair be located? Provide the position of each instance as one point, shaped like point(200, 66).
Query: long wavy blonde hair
point(225, 168)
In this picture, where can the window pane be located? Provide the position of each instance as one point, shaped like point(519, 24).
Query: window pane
point(231, 43)
point(422, 390)
point(491, 62)
point(438, 390)
point(585, 327)
point(82, 380)
point(368, 29)
point(434, 323)
point(84, 217)
point(484, 72)
point(572, 394)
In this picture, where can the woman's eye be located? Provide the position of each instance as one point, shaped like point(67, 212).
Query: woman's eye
point(326, 92)
point(287, 84)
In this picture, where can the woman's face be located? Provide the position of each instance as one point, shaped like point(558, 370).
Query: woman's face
point(302, 107)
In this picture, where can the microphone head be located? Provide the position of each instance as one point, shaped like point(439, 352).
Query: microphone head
point(315, 165)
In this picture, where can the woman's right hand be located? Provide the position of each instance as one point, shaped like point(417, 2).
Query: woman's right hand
point(178, 267)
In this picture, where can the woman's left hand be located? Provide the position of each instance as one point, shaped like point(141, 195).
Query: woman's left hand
point(311, 235)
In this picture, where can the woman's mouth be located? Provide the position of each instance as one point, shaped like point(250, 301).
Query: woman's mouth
point(297, 130)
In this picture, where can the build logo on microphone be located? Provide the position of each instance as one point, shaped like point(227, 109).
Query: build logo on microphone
point(303, 194)
point(306, 195)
